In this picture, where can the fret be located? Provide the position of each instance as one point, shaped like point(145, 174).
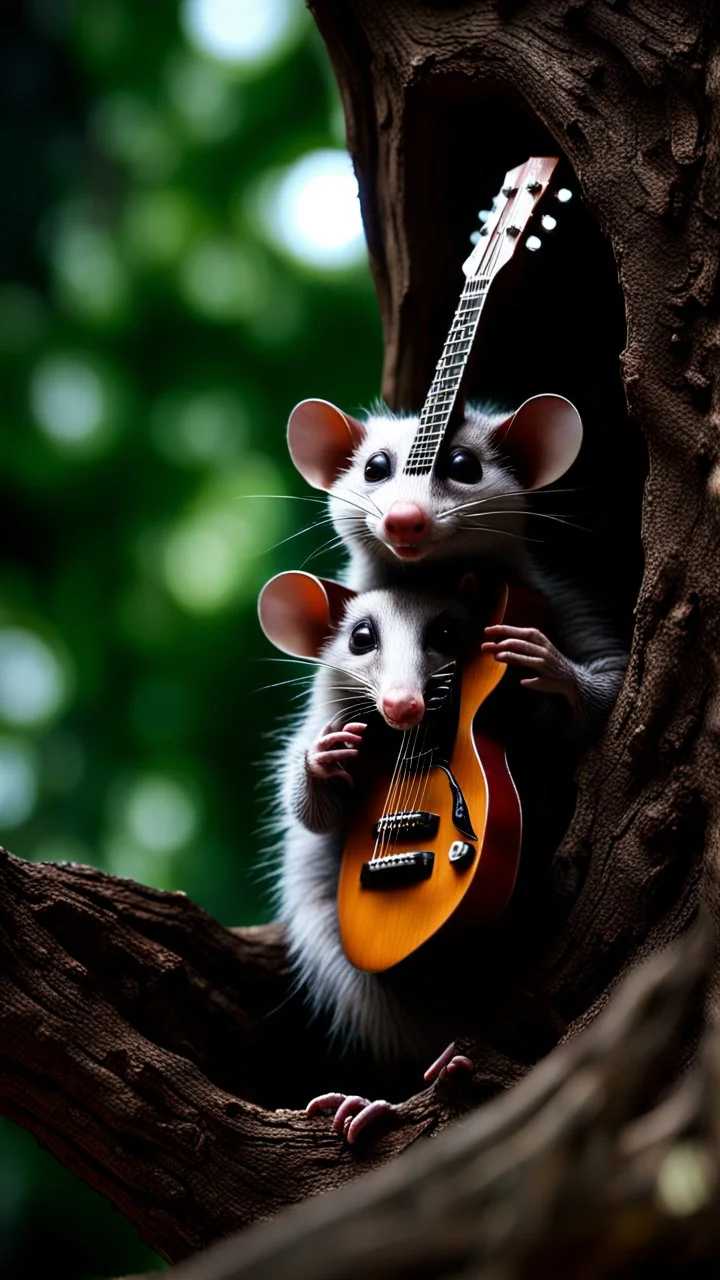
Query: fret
point(446, 381)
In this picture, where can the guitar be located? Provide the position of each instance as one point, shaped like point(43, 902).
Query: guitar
point(435, 843)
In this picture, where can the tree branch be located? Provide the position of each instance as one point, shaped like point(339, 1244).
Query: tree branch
point(149, 1048)
point(553, 1178)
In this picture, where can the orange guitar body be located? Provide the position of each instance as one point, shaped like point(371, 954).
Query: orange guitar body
point(382, 923)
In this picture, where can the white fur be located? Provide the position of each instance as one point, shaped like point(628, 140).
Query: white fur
point(358, 506)
point(361, 1006)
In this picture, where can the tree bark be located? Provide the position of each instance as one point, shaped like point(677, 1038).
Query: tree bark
point(148, 1047)
point(568, 1174)
point(158, 1056)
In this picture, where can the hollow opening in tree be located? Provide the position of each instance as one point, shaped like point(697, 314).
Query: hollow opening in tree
point(555, 322)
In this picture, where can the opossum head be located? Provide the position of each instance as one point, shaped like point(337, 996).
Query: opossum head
point(472, 501)
point(381, 648)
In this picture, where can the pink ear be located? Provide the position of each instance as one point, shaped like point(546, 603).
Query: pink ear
point(542, 439)
point(321, 440)
point(298, 611)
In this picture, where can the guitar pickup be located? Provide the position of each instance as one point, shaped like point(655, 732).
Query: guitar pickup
point(397, 870)
point(416, 824)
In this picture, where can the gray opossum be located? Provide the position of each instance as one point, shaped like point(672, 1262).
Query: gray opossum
point(469, 508)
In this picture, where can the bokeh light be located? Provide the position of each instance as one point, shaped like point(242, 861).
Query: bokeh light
point(72, 403)
point(161, 813)
point(19, 780)
point(204, 98)
point(241, 32)
point(90, 278)
point(313, 211)
point(159, 223)
point(130, 129)
point(201, 428)
point(221, 281)
point(33, 682)
point(211, 557)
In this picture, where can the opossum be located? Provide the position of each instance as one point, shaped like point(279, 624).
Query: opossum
point(377, 653)
point(467, 506)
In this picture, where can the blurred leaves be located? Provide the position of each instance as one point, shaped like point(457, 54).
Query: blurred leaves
point(154, 334)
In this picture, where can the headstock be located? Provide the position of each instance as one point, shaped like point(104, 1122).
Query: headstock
point(515, 210)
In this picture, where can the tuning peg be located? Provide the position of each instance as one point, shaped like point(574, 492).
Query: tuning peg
point(533, 243)
point(548, 223)
point(564, 194)
point(474, 237)
point(484, 214)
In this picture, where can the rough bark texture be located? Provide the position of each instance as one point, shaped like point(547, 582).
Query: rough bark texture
point(147, 1047)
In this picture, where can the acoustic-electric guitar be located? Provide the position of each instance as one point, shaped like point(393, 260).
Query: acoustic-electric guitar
point(436, 840)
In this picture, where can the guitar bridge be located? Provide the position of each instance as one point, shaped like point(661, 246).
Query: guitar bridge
point(415, 824)
point(397, 870)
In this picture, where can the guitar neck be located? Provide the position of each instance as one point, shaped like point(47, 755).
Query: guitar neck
point(445, 385)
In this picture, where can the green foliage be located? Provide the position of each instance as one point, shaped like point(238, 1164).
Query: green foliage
point(154, 335)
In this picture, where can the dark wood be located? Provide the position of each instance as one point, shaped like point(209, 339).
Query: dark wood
point(156, 1055)
point(569, 1174)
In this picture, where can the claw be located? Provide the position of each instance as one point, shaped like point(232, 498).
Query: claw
point(324, 1102)
point(347, 1110)
point(448, 1064)
point(352, 1112)
point(369, 1114)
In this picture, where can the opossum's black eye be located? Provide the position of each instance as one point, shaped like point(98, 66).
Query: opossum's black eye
point(377, 468)
point(363, 637)
point(464, 466)
point(445, 635)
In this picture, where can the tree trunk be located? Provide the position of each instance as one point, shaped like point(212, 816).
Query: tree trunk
point(148, 1047)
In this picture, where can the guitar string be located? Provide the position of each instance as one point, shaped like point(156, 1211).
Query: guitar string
point(404, 779)
point(404, 786)
point(396, 806)
point(388, 798)
point(429, 441)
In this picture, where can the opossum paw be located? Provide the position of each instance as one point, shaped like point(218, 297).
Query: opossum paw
point(449, 1064)
point(333, 749)
point(353, 1114)
point(549, 670)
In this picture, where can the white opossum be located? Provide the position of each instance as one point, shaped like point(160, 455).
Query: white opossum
point(468, 509)
point(376, 652)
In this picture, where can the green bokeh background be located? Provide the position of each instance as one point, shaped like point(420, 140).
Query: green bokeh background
point(145, 309)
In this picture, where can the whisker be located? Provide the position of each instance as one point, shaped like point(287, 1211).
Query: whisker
point(298, 532)
point(281, 683)
point(285, 497)
point(331, 545)
point(364, 497)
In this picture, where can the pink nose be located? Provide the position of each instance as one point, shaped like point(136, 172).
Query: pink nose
point(406, 523)
point(403, 707)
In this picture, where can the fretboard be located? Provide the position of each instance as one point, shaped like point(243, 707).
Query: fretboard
point(442, 395)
